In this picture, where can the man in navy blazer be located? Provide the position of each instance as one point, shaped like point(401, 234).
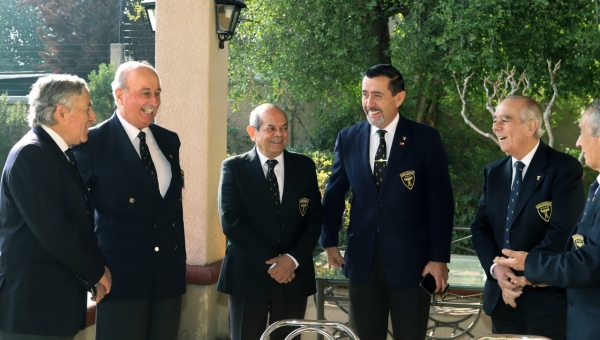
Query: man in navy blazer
point(401, 216)
point(548, 202)
point(131, 166)
point(270, 210)
point(49, 257)
point(577, 269)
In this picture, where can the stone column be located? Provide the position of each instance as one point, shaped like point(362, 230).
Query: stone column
point(117, 54)
point(193, 73)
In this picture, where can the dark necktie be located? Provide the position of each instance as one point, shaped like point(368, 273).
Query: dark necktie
point(71, 157)
point(146, 158)
point(272, 180)
point(380, 159)
point(590, 200)
point(512, 201)
point(72, 160)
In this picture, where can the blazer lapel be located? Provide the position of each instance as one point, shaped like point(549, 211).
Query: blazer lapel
point(289, 184)
point(363, 142)
point(130, 158)
point(171, 156)
point(500, 181)
point(402, 140)
point(257, 177)
point(533, 177)
point(45, 138)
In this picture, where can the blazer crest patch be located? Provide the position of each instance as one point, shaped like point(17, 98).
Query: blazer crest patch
point(408, 179)
point(544, 209)
point(303, 205)
point(578, 241)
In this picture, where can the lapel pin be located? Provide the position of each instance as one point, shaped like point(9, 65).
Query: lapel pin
point(401, 143)
point(538, 177)
point(403, 138)
point(171, 156)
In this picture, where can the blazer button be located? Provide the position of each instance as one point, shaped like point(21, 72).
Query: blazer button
point(132, 200)
point(156, 249)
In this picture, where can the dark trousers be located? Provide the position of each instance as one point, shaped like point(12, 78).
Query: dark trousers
point(373, 301)
point(248, 317)
point(528, 321)
point(153, 319)
point(14, 336)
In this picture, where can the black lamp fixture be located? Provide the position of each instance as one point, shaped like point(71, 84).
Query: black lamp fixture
point(228, 16)
point(150, 6)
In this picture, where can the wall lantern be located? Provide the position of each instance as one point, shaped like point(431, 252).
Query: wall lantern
point(150, 6)
point(228, 15)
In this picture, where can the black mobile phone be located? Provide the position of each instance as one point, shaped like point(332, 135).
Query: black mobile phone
point(428, 283)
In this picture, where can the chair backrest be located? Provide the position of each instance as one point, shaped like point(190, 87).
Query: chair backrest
point(310, 326)
point(511, 337)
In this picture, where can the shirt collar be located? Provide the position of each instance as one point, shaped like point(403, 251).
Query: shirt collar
point(263, 159)
point(390, 128)
point(527, 159)
point(132, 131)
point(56, 137)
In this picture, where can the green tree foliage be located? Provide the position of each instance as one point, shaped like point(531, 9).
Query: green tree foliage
point(13, 125)
point(308, 56)
point(77, 34)
point(99, 83)
point(20, 44)
point(298, 52)
point(484, 36)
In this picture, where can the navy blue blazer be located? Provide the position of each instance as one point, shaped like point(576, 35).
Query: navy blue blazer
point(553, 177)
point(257, 233)
point(578, 270)
point(139, 232)
point(413, 211)
point(49, 257)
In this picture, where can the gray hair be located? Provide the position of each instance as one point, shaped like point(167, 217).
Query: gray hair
point(120, 81)
point(594, 111)
point(255, 120)
point(48, 93)
point(530, 111)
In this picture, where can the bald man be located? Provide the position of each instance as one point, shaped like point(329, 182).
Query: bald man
point(270, 210)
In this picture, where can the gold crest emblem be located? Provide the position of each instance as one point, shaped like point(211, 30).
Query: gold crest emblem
point(578, 241)
point(544, 209)
point(408, 179)
point(303, 205)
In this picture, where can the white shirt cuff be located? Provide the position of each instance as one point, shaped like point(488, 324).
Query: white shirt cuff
point(492, 271)
point(293, 259)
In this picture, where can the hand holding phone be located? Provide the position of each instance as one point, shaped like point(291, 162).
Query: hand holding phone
point(428, 283)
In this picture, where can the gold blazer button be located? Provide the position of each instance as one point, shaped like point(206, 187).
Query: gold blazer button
point(132, 200)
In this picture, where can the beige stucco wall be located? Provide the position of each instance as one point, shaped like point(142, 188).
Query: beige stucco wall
point(193, 73)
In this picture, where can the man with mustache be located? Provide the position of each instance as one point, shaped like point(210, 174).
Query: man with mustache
point(270, 210)
point(49, 257)
point(531, 200)
point(131, 166)
point(401, 216)
point(578, 268)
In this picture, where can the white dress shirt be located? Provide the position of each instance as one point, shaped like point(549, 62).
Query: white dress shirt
point(389, 139)
point(278, 170)
point(62, 145)
point(279, 174)
point(162, 165)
